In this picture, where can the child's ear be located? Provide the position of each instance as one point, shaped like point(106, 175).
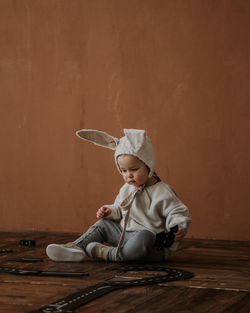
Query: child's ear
point(99, 138)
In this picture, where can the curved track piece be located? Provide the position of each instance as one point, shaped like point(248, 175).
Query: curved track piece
point(172, 274)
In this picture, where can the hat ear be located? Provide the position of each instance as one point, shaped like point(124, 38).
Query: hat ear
point(136, 137)
point(98, 137)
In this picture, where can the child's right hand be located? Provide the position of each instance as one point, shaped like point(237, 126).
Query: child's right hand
point(179, 235)
point(103, 212)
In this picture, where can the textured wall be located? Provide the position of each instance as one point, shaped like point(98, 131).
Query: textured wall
point(179, 69)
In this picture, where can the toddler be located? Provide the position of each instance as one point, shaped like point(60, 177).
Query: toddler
point(133, 228)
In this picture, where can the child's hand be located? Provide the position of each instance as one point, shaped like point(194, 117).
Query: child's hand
point(179, 235)
point(103, 212)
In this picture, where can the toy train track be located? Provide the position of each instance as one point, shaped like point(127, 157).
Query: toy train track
point(77, 299)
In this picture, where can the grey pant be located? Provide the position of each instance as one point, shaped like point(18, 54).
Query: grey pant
point(137, 245)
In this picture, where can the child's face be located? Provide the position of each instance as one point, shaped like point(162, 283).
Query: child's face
point(133, 170)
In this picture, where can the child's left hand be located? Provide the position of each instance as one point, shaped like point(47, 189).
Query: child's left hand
point(179, 235)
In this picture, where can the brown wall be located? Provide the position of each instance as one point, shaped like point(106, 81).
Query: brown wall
point(178, 68)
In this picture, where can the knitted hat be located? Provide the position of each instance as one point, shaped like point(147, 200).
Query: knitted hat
point(135, 142)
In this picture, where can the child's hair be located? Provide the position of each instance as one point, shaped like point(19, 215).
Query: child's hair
point(156, 177)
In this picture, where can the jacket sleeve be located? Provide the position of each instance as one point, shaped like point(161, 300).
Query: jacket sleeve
point(115, 212)
point(179, 215)
point(176, 212)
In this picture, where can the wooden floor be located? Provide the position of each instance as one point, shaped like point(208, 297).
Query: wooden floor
point(221, 282)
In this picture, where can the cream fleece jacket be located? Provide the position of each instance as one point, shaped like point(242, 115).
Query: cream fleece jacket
point(157, 208)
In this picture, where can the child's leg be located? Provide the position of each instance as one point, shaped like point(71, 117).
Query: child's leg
point(103, 230)
point(137, 245)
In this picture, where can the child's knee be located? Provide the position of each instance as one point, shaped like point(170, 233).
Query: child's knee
point(101, 223)
point(145, 240)
point(139, 246)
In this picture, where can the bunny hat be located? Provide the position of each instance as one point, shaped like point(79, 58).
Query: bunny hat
point(135, 142)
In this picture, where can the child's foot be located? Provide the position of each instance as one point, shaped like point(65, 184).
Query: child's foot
point(98, 250)
point(68, 252)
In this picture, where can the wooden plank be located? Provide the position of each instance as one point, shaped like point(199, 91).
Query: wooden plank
point(171, 300)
